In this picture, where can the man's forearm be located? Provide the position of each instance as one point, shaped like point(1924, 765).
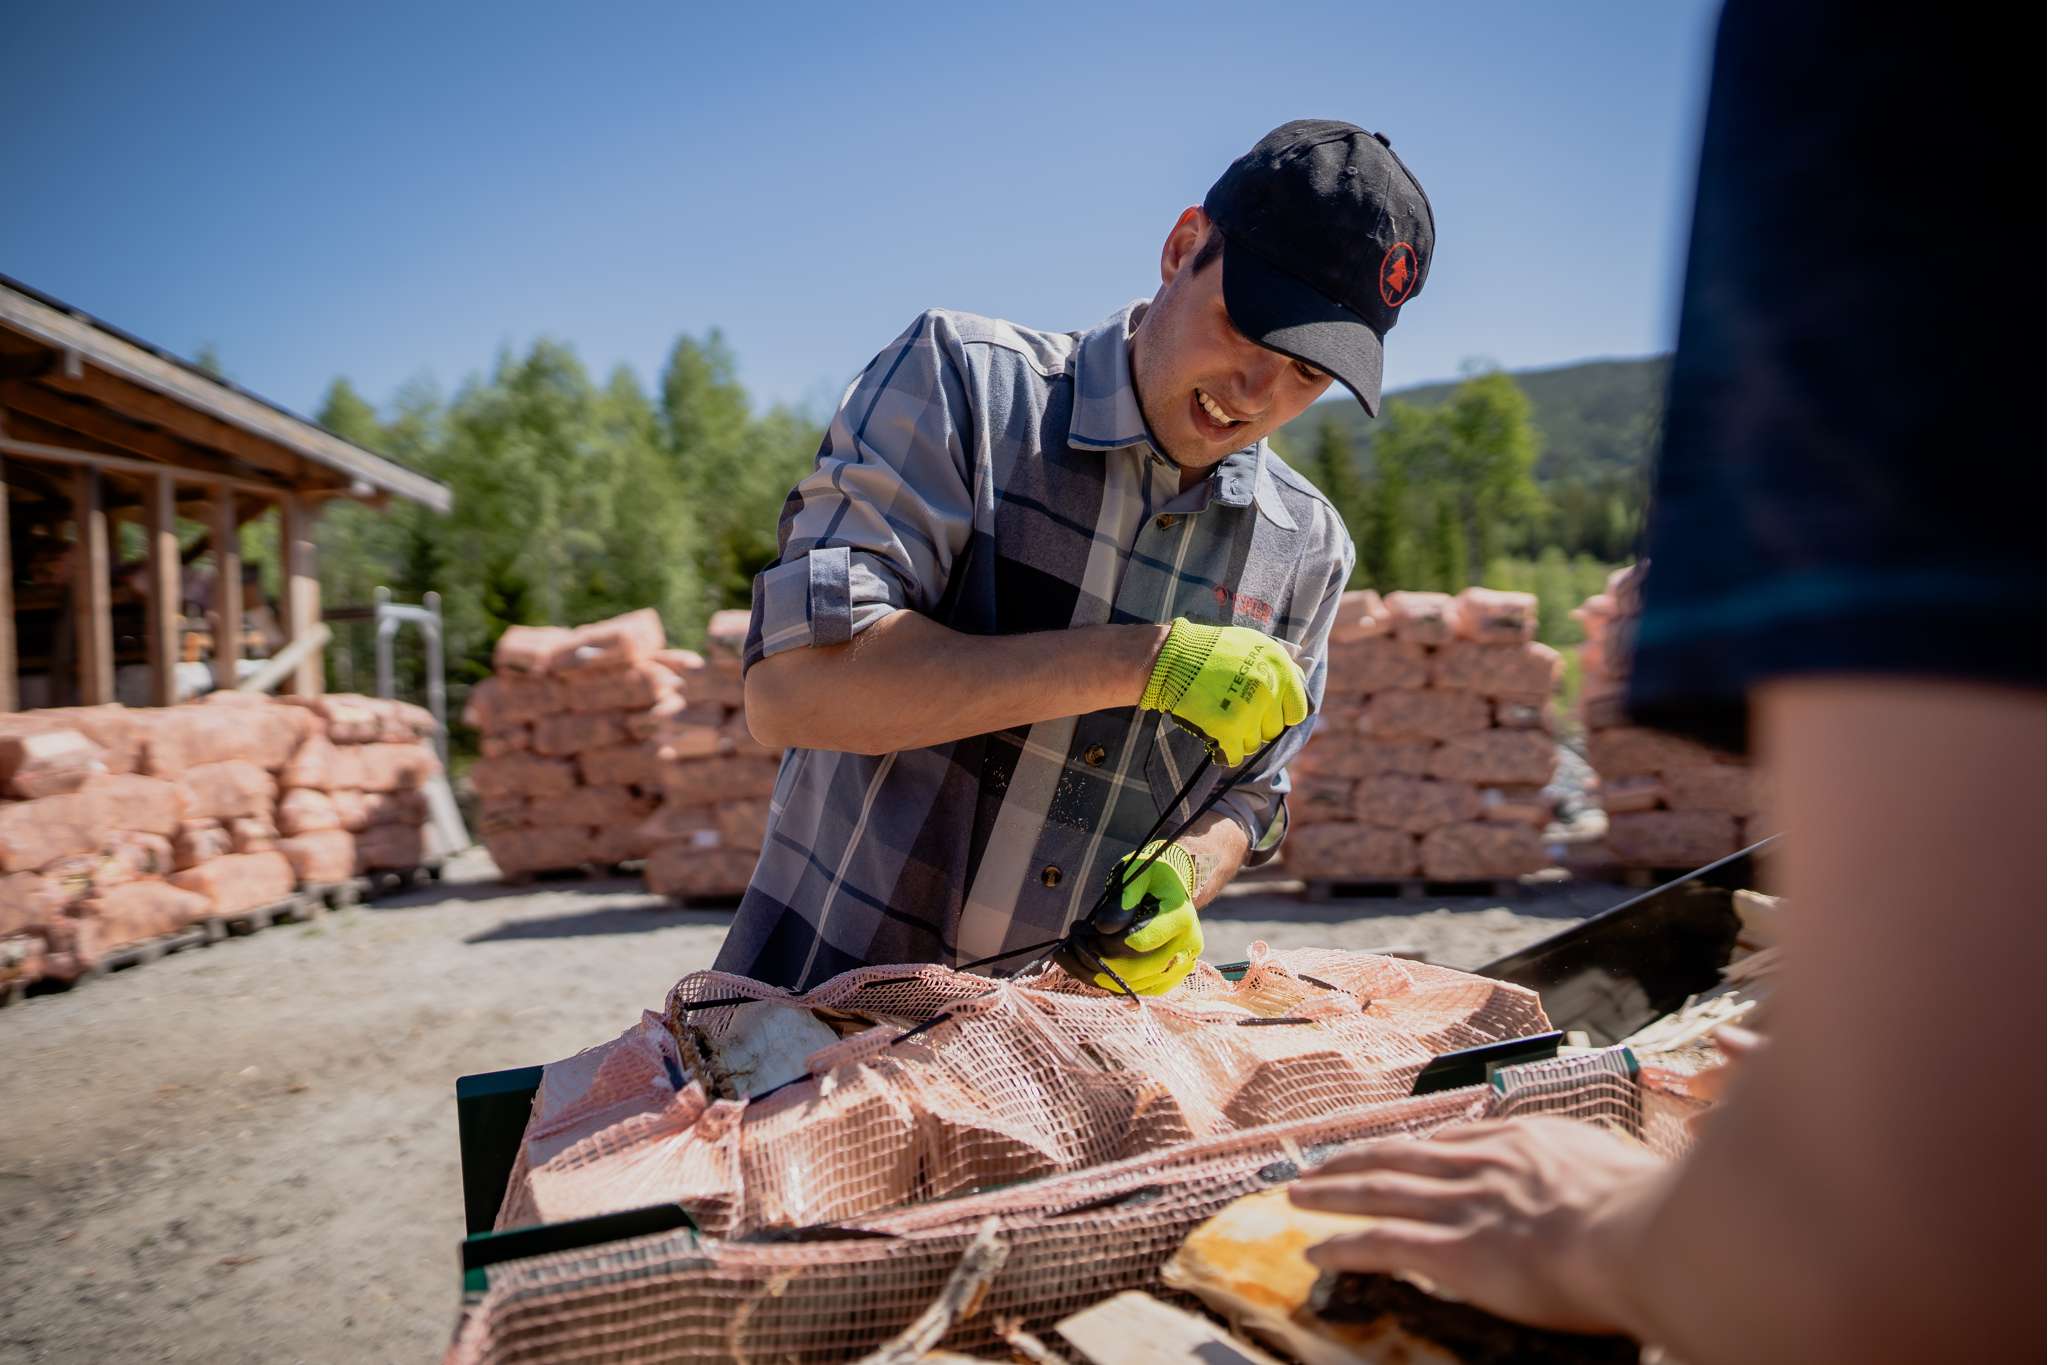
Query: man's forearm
point(1871, 1188)
point(908, 682)
point(1887, 1163)
point(1219, 845)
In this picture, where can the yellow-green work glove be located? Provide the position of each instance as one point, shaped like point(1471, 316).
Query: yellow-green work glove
point(1231, 685)
point(1157, 955)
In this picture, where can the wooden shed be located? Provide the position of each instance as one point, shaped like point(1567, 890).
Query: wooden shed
point(98, 428)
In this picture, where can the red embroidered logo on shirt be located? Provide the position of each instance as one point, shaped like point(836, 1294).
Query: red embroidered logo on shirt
point(1239, 604)
point(1397, 274)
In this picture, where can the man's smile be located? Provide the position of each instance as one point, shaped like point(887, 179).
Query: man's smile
point(1213, 416)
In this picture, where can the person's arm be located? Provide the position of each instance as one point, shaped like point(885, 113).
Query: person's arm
point(1219, 844)
point(1258, 800)
point(1887, 1142)
point(838, 639)
point(908, 682)
point(1872, 1187)
point(1155, 955)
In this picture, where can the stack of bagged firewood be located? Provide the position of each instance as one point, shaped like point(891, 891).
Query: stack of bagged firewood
point(1670, 803)
point(354, 796)
point(120, 825)
point(715, 780)
point(1434, 744)
point(569, 718)
point(603, 746)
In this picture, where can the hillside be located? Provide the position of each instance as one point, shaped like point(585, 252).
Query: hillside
point(1598, 417)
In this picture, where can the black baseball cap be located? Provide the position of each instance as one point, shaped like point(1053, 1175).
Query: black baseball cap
point(1326, 234)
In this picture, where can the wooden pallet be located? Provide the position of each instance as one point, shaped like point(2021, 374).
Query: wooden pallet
point(149, 950)
point(1410, 888)
point(581, 872)
point(301, 907)
point(336, 895)
point(297, 908)
point(387, 881)
point(198, 934)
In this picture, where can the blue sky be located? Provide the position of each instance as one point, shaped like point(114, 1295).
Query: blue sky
point(391, 191)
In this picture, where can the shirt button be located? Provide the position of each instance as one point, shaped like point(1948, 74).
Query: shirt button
point(1164, 523)
point(1093, 755)
point(1051, 875)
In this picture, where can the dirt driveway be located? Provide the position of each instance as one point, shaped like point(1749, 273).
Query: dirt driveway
point(248, 1152)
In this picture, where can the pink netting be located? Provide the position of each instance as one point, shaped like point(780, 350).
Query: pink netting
point(1094, 1131)
point(1013, 1080)
point(1072, 1240)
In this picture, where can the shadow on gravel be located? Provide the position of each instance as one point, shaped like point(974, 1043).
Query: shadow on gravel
point(442, 893)
point(616, 919)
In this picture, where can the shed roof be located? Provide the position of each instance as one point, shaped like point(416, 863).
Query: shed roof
point(63, 371)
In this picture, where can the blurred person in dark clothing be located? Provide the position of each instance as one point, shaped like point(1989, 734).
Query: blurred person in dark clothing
point(1846, 578)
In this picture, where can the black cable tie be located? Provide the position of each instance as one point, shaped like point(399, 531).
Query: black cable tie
point(1118, 885)
point(1073, 937)
point(912, 1032)
point(1108, 970)
point(1013, 952)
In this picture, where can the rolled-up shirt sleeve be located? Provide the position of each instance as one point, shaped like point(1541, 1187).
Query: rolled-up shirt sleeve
point(876, 524)
point(1259, 800)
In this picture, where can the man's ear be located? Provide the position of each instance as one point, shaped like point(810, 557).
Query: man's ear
point(1183, 242)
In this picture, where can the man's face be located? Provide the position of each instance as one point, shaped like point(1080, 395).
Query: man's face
point(1204, 388)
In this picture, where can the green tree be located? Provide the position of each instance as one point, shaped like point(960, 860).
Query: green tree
point(1383, 547)
point(1406, 454)
point(1554, 601)
point(735, 470)
point(655, 543)
point(358, 546)
point(704, 410)
point(1488, 450)
point(1463, 471)
point(740, 524)
point(1332, 466)
point(1448, 564)
point(352, 539)
point(521, 453)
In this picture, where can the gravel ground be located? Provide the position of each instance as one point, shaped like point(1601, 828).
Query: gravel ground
point(248, 1152)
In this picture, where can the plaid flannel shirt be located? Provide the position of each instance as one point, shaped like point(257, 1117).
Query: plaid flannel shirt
point(1001, 480)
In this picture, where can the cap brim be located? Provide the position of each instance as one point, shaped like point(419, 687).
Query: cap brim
point(1281, 313)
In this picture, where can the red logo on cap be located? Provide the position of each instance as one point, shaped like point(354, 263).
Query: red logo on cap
point(1397, 274)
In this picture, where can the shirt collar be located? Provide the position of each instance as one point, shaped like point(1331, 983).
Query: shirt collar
point(1106, 417)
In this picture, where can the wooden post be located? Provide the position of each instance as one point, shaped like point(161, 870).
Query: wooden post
point(10, 685)
point(300, 606)
point(166, 589)
point(227, 589)
point(92, 583)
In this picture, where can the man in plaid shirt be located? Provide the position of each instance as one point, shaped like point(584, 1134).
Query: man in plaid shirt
point(1035, 576)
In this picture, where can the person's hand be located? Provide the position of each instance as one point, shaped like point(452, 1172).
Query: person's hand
point(1709, 1086)
point(1738, 1045)
point(1231, 685)
point(1154, 956)
point(1522, 1218)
